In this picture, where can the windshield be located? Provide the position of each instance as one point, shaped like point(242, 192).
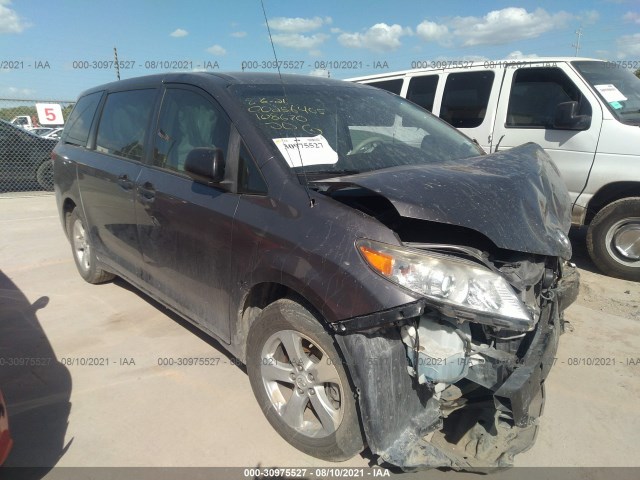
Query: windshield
point(617, 86)
point(324, 131)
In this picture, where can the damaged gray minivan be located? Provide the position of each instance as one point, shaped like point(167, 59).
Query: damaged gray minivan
point(386, 283)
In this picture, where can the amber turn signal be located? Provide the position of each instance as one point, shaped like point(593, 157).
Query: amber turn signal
point(383, 263)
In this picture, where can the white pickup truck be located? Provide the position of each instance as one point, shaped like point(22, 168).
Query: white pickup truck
point(25, 122)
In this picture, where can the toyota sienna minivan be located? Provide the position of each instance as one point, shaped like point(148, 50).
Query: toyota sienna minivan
point(385, 282)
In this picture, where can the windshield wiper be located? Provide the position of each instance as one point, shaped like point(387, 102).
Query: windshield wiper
point(333, 173)
point(320, 176)
point(341, 172)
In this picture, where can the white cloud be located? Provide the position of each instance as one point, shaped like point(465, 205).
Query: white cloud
point(496, 27)
point(179, 32)
point(10, 21)
point(518, 55)
point(216, 50)
point(379, 38)
point(433, 32)
point(506, 25)
point(319, 72)
point(239, 34)
point(633, 17)
point(629, 46)
point(588, 17)
point(298, 41)
point(297, 24)
point(18, 92)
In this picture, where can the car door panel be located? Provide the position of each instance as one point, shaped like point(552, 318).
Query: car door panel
point(107, 177)
point(185, 235)
point(185, 227)
point(107, 192)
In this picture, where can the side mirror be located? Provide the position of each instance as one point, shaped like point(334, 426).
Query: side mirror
point(206, 164)
point(567, 118)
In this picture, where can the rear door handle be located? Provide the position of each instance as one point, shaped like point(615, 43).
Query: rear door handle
point(147, 192)
point(124, 182)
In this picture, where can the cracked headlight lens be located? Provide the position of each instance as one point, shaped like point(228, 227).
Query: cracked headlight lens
point(447, 280)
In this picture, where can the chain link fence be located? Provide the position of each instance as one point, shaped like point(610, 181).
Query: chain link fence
point(26, 144)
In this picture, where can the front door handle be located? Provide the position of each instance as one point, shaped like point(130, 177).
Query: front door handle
point(124, 182)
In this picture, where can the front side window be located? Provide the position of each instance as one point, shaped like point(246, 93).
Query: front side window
point(124, 121)
point(187, 120)
point(79, 123)
point(535, 95)
point(465, 98)
point(422, 91)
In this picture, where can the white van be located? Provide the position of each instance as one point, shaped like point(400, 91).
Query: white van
point(585, 113)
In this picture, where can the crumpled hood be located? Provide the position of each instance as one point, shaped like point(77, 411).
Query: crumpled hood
point(516, 198)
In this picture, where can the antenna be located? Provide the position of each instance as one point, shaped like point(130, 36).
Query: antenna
point(264, 12)
point(115, 54)
point(284, 92)
point(577, 44)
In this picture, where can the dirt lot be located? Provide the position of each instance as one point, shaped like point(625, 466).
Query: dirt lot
point(125, 409)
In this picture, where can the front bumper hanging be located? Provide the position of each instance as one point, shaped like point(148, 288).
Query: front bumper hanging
point(403, 420)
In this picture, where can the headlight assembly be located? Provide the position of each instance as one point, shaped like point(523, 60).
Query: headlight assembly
point(464, 288)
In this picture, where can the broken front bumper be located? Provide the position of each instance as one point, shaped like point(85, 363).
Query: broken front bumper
point(404, 422)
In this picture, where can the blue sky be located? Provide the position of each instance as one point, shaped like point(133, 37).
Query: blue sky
point(364, 36)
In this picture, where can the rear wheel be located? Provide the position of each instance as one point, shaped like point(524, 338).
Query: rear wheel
point(300, 383)
point(83, 252)
point(613, 239)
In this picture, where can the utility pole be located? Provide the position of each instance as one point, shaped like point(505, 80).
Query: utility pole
point(577, 44)
point(115, 54)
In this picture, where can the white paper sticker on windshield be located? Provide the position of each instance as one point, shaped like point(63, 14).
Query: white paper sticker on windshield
point(610, 93)
point(299, 151)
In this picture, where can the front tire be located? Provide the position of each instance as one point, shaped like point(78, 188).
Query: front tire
point(613, 239)
point(83, 252)
point(300, 383)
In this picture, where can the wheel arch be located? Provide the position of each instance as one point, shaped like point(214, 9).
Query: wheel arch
point(258, 297)
point(608, 194)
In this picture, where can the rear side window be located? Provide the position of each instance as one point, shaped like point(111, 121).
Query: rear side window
point(422, 91)
point(124, 121)
point(79, 123)
point(535, 95)
point(393, 86)
point(465, 98)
